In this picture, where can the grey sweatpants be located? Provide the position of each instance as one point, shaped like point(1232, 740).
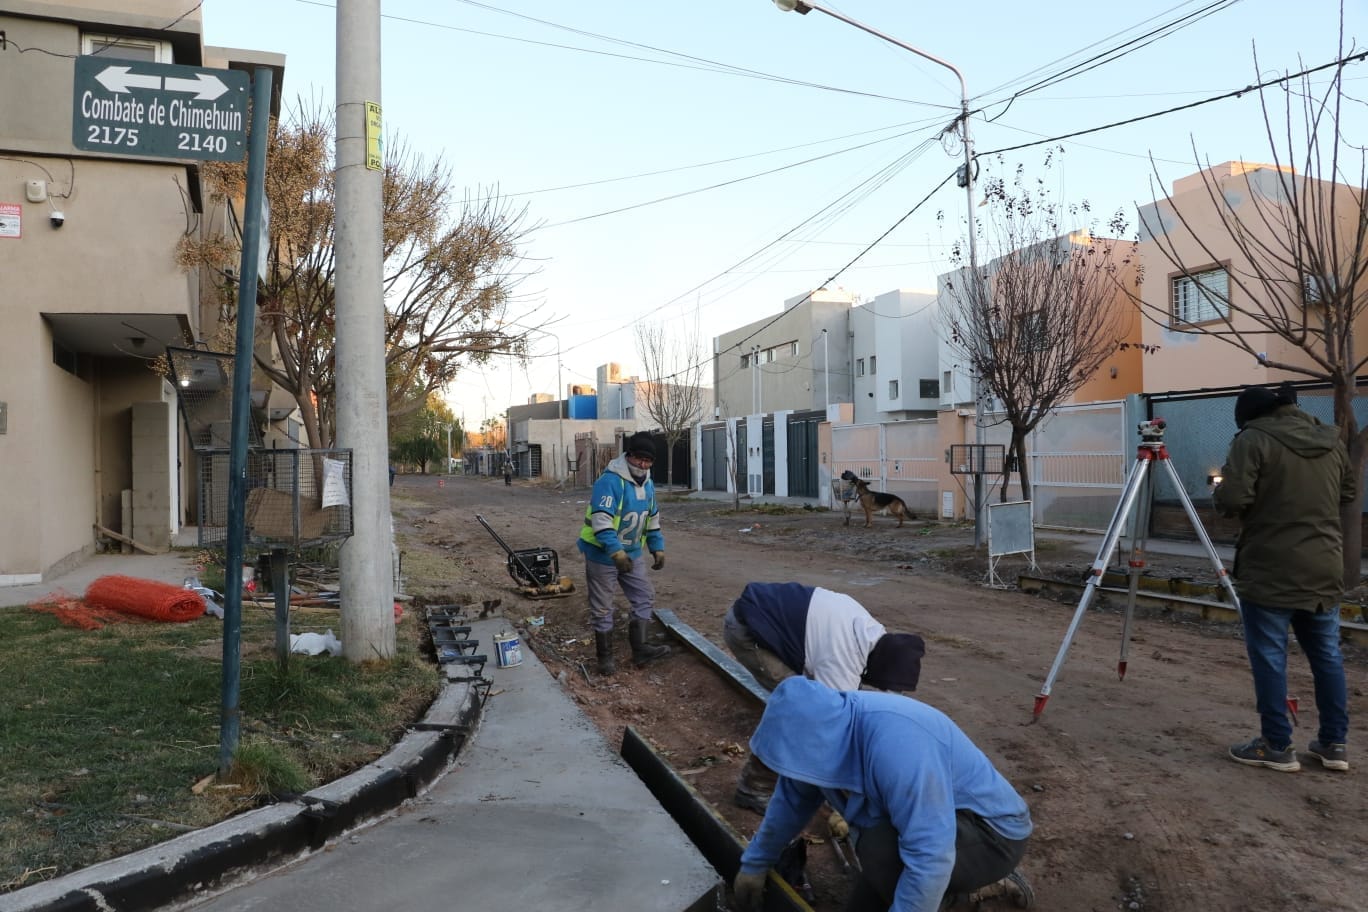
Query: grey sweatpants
point(603, 578)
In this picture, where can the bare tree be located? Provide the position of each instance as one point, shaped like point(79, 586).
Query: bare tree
point(448, 281)
point(1042, 317)
point(672, 394)
point(1295, 237)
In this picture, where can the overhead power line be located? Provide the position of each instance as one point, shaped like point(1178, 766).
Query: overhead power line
point(719, 161)
point(1113, 53)
point(728, 183)
point(702, 64)
point(1237, 93)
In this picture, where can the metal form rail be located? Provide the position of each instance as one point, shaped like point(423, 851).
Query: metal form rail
point(720, 844)
point(1352, 631)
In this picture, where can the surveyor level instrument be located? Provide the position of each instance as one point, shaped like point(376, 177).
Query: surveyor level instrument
point(1139, 490)
point(535, 571)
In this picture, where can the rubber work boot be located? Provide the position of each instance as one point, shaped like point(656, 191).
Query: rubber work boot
point(643, 652)
point(754, 786)
point(603, 648)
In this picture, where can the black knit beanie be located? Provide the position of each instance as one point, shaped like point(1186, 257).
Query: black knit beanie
point(1255, 402)
point(640, 445)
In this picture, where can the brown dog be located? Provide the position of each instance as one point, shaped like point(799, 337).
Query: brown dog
point(876, 501)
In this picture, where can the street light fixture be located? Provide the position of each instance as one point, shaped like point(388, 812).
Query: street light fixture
point(803, 7)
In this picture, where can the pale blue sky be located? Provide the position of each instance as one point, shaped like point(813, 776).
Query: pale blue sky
point(510, 102)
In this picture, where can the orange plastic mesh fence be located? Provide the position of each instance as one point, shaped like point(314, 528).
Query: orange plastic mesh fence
point(145, 598)
point(73, 612)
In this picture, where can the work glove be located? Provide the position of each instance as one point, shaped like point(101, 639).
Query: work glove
point(749, 891)
point(838, 826)
point(622, 561)
point(659, 562)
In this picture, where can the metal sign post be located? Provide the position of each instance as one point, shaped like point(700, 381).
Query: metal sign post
point(160, 110)
point(229, 721)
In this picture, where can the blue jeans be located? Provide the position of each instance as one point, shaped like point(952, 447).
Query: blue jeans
point(1266, 642)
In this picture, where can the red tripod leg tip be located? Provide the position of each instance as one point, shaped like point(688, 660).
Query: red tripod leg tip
point(1121, 671)
point(1039, 706)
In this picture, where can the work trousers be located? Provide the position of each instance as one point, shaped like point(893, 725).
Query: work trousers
point(767, 667)
point(756, 781)
point(1266, 642)
point(983, 856)
point(603, 578)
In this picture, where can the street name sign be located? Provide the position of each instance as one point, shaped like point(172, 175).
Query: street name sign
point(161, 110)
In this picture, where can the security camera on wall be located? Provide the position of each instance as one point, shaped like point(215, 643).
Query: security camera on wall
point(58, 219)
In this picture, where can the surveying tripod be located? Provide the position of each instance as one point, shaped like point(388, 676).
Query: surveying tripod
point(1139, 489)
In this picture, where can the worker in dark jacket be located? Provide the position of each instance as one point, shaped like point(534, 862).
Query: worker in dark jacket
point(1285, 478)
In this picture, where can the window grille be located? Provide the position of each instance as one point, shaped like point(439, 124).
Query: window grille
point(1201, 297)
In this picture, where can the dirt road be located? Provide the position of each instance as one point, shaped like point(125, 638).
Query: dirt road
point(1136, 805)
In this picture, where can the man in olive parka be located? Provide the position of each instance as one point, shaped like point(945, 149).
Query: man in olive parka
point(1285, 478)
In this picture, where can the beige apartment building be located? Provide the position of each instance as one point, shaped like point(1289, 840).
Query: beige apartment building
point(1196, 294)
point(89, 434)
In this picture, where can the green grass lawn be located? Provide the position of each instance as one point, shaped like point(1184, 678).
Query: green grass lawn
point(105, 734)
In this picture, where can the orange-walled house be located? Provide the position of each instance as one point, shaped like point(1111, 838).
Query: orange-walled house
point(1196, 292)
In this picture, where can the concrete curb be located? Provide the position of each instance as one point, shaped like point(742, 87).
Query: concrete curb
point(216, 857)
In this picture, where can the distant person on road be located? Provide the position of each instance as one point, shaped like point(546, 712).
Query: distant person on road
point(931, 815)
point(1285, 477)
point(777, 630)
point(622, 516)
point(508, 473)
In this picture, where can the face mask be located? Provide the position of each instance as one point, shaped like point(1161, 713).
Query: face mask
point(638, 475)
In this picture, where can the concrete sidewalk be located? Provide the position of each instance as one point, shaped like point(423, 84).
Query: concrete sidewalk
point(536, 812)
point(172, 567)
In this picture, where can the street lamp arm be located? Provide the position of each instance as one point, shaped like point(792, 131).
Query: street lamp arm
point(805, 6)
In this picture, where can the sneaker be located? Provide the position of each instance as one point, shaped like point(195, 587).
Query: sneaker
point(1258, 753)
point(1331, 756)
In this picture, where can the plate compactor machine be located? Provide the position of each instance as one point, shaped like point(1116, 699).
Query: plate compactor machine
point(535, 571)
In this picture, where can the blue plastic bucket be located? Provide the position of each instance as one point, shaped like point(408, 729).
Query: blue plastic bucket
point(508, 649)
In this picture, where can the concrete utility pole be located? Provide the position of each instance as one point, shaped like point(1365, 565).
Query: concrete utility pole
point(367, 579)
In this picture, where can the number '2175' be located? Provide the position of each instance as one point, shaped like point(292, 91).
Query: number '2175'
point(111, 136)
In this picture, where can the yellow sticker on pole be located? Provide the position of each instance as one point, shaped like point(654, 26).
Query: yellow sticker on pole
point(375, 139)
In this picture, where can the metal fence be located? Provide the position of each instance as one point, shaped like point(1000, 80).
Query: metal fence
point(902, 458)
point(1078, 465)
point(295, 498)
point(1201, 426)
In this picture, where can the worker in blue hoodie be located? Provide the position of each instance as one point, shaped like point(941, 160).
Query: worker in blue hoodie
point(621, 517)
point(932, 817)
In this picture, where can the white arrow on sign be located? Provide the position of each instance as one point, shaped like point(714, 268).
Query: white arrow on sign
point(205, 87)
point(119, 79)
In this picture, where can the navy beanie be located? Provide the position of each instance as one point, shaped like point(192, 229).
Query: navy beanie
point(895, 662)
